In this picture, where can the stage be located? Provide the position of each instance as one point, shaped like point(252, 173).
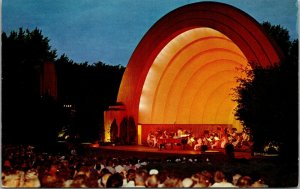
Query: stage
point(150, 152)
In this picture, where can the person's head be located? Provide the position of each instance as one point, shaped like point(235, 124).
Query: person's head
point(162, 176)
point(152, 182)
point(244, 182)
point(103, 172)
point(172, 183)
point(79, 181)
point(196, 177)
point(104, 179)
point(187, 183)
point(114, 181)
point(11, 180)
point(204, 180)
point(130, 175)
point(260, 183)
point(31, 179)
point(235, 178)
point(219, 176)
point(140, 177)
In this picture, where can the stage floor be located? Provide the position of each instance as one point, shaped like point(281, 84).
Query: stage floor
point(145, 151)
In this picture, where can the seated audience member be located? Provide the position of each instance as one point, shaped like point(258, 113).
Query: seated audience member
point(114, 181)
point(130, 177)
point(79, 181)
point(141, 177)
point(260, 183)
point(173, 183)
point(104, 179)
point(235, 179)
point(152, 182)
point(162, 176)
point(12, 179)
point(187, 183)
point(244, 182)
point(206, 178)
point(220, 180)
point(31, 179)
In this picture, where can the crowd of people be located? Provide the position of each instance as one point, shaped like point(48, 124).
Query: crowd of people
point(212, 139)
point(23, 166)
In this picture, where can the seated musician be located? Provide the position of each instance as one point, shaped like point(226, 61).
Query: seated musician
point(179, 133)
point(191, 140)
point(184, 138)
point(210, 139)
point(161, 140)
point(205, 141)
point(224, 140)
point(216, 143)
point(237, 140)
point(199, 144)
point(165, 134)
point(233, 132)
point(245, 136)
point(151, 139)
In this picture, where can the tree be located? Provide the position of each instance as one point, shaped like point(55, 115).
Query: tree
point(268, 99)
point(23, 54)
point(279, 35)
point(92, 88)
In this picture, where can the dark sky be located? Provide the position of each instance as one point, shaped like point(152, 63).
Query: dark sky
point(109, 30)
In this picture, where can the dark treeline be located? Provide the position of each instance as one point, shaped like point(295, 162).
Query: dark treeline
point(28, 116)
point(268, 101)
point(91, 88)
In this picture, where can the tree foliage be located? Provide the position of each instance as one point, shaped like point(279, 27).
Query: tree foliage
point(90, 87)
point(268, 98)
point(23, 111)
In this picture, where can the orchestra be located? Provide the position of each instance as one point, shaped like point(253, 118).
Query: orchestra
point(212, 139)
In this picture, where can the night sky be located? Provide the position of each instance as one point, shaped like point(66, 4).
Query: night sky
point(109, 30)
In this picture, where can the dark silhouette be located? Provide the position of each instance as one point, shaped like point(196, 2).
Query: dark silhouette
point(33, 114)
point(114, 131)
point(124, 131)
point(131, 131)
point(268, 104)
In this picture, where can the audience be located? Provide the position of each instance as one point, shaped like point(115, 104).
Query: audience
point(57, 171)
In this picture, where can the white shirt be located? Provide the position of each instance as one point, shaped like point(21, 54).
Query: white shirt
point(222, 184)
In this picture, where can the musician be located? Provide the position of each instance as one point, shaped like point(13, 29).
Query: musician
point(165, 134)
point(179, 133)
point(216, 141)
point(224, 140)
point(199, 144)
point(245, 136)
point(205, 140)
point(210, 139)
point(238, 140)
point(184, 141)
point(191, 140)
point(151, 140)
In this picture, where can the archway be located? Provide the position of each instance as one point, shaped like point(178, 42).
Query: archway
point(183, 69)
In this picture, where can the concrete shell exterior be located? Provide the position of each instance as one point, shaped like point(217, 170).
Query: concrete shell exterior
point(185, 66)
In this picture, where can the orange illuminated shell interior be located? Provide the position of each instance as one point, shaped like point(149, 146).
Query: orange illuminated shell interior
point(191, 80)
